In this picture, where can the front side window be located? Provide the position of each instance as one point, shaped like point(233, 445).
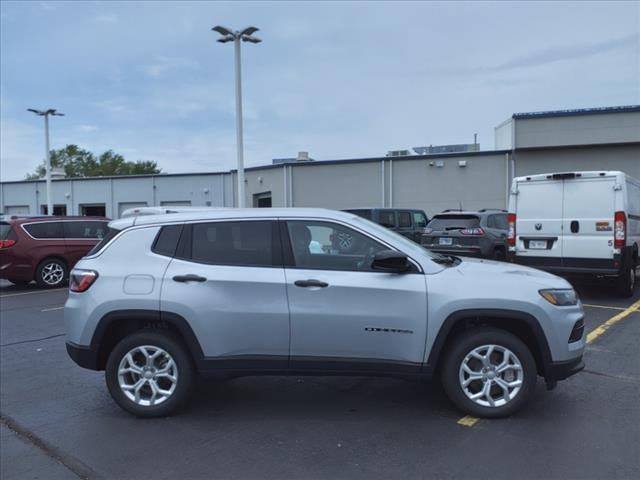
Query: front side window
point(44, 230)
point(330, 246)
point(419, 220)
point(404, 219)
point(248, 243)
point(85, 230)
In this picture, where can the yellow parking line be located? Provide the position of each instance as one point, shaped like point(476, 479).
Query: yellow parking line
point(32, 293)
point(468, 421)
point(598, 331)
point(608, 307)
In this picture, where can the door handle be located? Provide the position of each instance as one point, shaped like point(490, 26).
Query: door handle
point(189, 278)
point(310, 283)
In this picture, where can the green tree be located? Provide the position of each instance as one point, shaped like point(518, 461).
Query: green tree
point(78, 162)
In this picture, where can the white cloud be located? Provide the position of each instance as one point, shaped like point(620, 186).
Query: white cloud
point(87, 128)
point(106, 18)
point(163, 64)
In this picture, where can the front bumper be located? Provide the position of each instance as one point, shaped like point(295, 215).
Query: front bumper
point(86, 357)
point(556, 371)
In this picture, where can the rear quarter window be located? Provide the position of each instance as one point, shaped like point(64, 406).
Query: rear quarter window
point(45, 230)
point(111, 232)
point(167, 240)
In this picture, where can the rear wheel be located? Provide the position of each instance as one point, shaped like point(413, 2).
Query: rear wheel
point(498, 254)
point(489, 373)
point(150, 374)
point(51, 273)
point(626, 283)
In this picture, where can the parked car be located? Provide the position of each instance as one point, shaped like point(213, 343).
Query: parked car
point(579, 224)
point(405, 221)
point(45, 249)
point(264, 292)
point(481, 233)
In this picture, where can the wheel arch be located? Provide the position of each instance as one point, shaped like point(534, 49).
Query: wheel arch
point(115, 325)
point(523, 325)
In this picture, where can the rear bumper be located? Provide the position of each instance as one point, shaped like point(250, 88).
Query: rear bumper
point(588, 266)
point(556, 371)
point(86, 357)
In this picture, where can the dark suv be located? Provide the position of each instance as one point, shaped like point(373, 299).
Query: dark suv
point(408, 222)
point(481, 234)
point(44, 249)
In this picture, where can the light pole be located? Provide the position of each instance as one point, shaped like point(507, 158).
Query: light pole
point(45, 114)
point(236, 37)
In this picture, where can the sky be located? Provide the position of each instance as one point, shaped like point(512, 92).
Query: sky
point(337, 79)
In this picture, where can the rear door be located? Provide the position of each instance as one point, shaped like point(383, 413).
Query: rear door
point(227, 281)
point(588, 218)
point(405, 224)
point(539, 220)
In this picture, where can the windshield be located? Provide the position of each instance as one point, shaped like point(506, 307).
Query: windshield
point(408, 245)
point(454, 222)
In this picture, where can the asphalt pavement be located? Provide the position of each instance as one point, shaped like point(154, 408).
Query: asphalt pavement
point(58, 420)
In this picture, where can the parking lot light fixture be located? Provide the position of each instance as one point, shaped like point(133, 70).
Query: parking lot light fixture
point(236, 37)
point(45, 114)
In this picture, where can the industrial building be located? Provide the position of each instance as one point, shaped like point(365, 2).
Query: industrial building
point(527, 143)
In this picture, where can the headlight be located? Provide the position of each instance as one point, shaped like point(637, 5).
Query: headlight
point(560, 297)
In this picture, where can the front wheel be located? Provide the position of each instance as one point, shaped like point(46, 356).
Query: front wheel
point(150, 374)
point(489, 373)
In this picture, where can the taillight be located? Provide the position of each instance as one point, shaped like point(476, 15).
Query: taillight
point(620, 229)
point(511, 235)
point(472, 231)
point(80, 280)
point(7, 243)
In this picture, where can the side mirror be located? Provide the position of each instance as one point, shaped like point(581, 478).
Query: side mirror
point(391, 261)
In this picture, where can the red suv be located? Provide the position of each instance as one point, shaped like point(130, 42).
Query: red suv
point(45, 249)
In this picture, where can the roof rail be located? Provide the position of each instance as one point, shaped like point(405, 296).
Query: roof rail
point(452, 210)
point(493, 210)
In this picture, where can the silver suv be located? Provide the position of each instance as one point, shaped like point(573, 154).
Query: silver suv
point(271, 292)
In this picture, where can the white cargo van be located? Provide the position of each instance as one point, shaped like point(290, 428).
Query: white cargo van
point(577, 224)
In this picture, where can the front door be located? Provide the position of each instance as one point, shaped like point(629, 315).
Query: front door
point(344, 315)
point(228, 282)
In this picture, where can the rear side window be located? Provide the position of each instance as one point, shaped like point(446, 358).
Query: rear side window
point(44, 230)
point(404, 219)
point(167, 240)
point(498, 221)
point(85, 230)
point(111, 232)
point(5, 230)
point(387, 219)
point(454, 222)
point(248, 243)
point(364, 213)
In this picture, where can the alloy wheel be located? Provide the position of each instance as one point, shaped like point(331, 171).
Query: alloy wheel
point(491, 375)
point(147, 375)
point(52, 273)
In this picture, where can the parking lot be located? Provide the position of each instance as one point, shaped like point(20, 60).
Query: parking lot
point(58, 420)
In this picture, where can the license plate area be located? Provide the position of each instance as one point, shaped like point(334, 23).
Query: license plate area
point(445, 241)
point(537, 244)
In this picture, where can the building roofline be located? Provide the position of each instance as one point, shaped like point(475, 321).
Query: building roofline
point(482, 153)
point(577, 112)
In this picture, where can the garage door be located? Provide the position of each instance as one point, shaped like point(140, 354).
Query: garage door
point(17, 210)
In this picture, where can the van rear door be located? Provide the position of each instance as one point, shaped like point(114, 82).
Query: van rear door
point(588, 217)
point(539, 221)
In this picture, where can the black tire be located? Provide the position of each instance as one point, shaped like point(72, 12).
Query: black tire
point(498, 255)
point(462, 346)
point(626, 283)
point(186, 374)
point(43, 277)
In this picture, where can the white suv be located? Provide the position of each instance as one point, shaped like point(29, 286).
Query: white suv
point(273, 292)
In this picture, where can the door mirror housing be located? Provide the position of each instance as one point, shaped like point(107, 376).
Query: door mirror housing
point(390, 261)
